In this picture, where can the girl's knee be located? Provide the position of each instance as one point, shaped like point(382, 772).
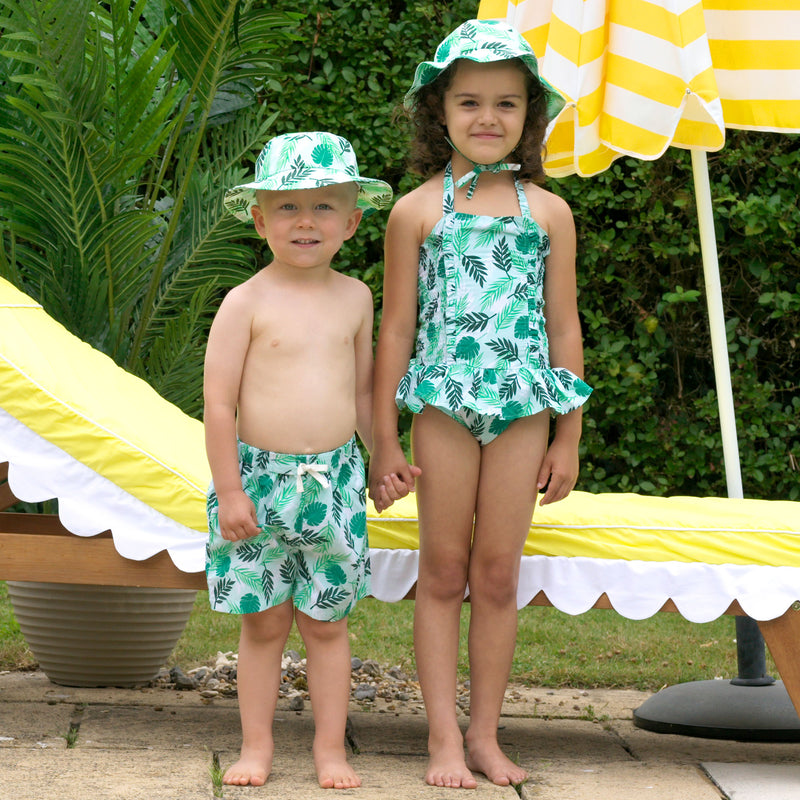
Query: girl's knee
point(444, 581)
point(495, 582)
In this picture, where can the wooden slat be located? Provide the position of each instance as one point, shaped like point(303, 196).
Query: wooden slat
point(782, 637)
point(69, 559)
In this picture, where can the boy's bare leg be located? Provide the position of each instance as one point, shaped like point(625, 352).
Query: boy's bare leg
point(506, 495)
point(328, 671)
point(261, 644)
point(449, 458)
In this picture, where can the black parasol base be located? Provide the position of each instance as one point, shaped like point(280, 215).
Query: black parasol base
point(753, 707)
point(722, 709)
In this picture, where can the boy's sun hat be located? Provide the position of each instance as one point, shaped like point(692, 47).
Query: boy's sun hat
point(306, 160)
point(483, 41)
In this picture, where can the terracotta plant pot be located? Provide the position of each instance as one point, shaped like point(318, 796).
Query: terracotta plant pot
point(100, 635)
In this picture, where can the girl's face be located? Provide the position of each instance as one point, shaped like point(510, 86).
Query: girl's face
point(484, 109)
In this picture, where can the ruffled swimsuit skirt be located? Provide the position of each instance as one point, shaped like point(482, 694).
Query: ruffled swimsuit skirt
point(481, 341)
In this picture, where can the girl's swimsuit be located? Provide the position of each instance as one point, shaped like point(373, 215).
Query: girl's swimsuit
point(482, 354)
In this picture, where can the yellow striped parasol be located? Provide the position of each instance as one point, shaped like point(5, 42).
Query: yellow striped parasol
point(640, 76)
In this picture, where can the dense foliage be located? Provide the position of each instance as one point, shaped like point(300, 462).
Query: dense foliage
point(652, 424)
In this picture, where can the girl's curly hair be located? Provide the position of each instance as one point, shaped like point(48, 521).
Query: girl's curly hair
point(430, 151)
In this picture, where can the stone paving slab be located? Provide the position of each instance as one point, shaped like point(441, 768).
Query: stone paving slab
point(158, 744)
point(756, 781)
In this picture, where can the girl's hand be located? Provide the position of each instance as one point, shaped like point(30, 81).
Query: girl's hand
point(559, 472)
point(390, 476)
point(237, 516)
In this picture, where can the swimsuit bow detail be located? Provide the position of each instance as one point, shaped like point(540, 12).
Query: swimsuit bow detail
point(315, 471)
point(477, 169)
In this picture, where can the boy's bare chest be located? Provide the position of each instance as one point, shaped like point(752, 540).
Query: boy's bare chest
point(320, 332)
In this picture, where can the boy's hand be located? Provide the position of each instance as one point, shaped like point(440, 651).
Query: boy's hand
point(393, 488)
point(559, 472)
point(237, 517)
point(390, 475)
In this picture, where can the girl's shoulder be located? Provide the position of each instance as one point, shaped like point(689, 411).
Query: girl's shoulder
point(421, 207)
point(547, 208)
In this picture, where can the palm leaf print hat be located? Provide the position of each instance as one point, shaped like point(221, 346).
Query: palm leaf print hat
point(483, 41)
point(306, 160)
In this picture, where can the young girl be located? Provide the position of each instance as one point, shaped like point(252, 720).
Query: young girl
point(484, 253)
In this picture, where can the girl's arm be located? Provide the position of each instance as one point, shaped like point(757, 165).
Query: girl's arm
point(395, 345)
point(228, 342)
point(559, 471)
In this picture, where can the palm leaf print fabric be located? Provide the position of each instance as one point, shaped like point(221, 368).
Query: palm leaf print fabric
point(313, 546)
point(481, 341)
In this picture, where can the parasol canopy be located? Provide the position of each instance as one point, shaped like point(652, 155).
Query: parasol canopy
point(641, 76)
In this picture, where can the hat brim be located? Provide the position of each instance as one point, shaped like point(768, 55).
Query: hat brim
point(428, 71)
point(373, 194)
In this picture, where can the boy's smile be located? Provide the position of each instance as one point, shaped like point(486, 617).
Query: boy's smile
point(305, 228)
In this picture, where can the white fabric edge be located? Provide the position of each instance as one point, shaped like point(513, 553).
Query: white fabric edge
point(636, 589)
point(88, 503)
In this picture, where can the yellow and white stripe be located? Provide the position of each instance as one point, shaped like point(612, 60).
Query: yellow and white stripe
point(641, 76)
point(79, 400)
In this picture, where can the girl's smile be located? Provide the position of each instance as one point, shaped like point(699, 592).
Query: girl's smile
point(484, 111)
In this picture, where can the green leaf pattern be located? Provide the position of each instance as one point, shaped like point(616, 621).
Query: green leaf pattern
point(313, 547)
point(481, 341)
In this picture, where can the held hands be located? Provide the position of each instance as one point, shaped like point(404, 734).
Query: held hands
point(237, 516)
point(390, 477)
point(559, 472)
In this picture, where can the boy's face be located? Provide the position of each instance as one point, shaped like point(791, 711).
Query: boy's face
point(305, 228)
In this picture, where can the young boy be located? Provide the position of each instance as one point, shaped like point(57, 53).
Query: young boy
point(288, 379)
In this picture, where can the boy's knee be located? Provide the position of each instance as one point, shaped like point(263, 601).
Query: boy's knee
point(270, 624)
point(320, 630)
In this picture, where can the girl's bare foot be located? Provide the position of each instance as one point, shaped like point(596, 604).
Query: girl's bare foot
point(487, 758)
point(333, 770)
point(447, 767)
point(252, 768)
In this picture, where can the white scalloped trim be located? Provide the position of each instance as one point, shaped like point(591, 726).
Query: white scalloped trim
point(89, 503)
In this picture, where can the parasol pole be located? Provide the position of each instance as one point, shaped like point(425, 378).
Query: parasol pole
point(716, 320)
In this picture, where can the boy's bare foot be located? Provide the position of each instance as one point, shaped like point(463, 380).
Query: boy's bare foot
point(487, 758)
point(333, 770)
point(252, 769)
point(447, 767)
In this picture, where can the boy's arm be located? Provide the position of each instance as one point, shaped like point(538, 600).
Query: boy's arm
point(364, 369)
point(395, 344)
point(228, 342)
point(559, 471)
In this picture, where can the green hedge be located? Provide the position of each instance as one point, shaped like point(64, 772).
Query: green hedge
point(652, 424)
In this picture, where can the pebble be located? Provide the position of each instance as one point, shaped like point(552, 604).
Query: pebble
point(372, 685)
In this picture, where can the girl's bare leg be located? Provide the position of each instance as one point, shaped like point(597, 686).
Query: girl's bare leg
point(449, 458)
point(328, 672)
point(506, 496)
point(261, 644)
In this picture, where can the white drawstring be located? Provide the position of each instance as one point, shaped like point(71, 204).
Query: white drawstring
point(315, 471)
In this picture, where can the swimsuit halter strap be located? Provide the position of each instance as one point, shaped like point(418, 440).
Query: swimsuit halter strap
point(448, 197)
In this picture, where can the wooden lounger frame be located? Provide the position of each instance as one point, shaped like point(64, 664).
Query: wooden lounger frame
point(37, 547)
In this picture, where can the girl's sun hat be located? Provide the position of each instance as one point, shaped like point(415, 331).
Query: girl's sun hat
point(306, 160)
point(483, 41)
